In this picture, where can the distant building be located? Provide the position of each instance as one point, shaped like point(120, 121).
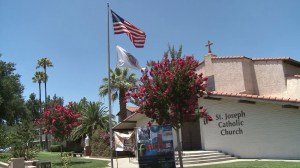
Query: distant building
point(129, 111)
point(254, 104)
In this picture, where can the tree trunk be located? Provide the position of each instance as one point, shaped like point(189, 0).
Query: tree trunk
point(40, 111)
point(61, 149)
point(179, 148)
point(123, 110)
point(46, 135)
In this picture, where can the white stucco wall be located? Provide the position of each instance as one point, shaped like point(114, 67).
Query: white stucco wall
point(293, 88)
point(142, 122)
point(227, 72)
point(270, 78)
point(268, 130)
point(291, 69)
point(249, 77)
point(201, 69)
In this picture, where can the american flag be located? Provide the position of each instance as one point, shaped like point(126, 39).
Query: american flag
point(136, 35)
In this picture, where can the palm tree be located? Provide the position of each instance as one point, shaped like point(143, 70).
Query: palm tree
point(121, 81)
point(94, 115)
point(44, 63)
point(39, 77)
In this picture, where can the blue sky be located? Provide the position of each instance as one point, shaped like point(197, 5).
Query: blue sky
point(73, 35)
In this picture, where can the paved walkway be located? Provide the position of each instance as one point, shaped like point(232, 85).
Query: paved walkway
point(118, 163)
point(125, 163)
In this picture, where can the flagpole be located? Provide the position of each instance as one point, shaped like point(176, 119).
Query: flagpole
point(109, 92)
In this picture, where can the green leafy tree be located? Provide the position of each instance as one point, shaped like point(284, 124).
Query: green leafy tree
point(56, 100)
point(94, 115)
point(12, 105)
point(121, 81)
point(32, 105)
point(81, 105)
point(22, 137)
point(44, 63)
point(3, 136)
point(170, 90)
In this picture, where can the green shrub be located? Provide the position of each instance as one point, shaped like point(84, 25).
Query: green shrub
point(66, 159)
point(73, 147)
point(99, 146)
point(5, 156)
point(55, 148)
point(28, 152)
point(21, 140)
point(31, 152)
point(4, 136)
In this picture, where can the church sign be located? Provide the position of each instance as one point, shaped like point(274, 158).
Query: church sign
point(231, 123)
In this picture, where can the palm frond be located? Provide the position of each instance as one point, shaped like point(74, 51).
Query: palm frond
point(120, 78)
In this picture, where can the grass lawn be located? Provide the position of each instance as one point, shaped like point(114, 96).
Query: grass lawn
point(255, 164)
point(76, 162)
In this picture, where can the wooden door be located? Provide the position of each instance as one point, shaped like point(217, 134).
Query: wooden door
point(191, 138)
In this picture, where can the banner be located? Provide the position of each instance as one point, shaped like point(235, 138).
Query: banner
point(155, 146)
point(124, 142)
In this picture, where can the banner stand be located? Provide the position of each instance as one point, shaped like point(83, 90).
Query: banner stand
point(155, 147)
point(129, 156)
point(117, 159)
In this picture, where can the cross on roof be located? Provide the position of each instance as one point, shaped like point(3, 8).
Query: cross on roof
point(208, 45)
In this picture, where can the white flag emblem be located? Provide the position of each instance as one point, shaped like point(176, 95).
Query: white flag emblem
point(125, 59)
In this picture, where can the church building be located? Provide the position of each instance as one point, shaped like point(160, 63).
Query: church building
point(254, 103)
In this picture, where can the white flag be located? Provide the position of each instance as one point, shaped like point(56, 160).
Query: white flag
point(125, 59)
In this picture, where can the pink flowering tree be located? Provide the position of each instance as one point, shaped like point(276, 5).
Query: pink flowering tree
point(59, 121)
point(169, 92)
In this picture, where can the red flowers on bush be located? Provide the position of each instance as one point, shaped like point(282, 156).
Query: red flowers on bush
point(169, 94)
point(205, 116)
point(59, 121)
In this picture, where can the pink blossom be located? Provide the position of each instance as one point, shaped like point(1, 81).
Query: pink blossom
point(143, 89)
point(134, 95)
point(167, 73)
point(171, 90)
point(149, 124)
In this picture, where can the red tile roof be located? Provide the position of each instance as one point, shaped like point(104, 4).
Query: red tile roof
point(272, 98)
point(132, 109)
point(286, 59)
point(230, 57)
point(133, 114)
point(270, 59)
point(293, 76)
point(201, 62)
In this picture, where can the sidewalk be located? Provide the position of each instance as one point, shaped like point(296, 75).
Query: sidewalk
point(118, 163)
point(125, 163)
